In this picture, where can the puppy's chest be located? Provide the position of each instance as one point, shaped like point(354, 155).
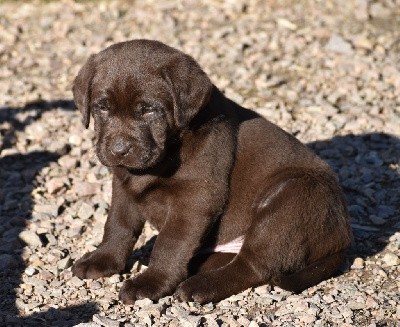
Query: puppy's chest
point(142, 186)
point(153, 197)
point(155, 209)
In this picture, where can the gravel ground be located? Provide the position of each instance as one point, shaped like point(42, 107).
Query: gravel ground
point(326, 71)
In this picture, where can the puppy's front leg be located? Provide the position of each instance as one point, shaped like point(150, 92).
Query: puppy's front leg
point(121, 230)
point(175, 246)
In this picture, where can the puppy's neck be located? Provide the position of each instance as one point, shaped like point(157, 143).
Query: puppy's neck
point(221, 109)
point(213, 112)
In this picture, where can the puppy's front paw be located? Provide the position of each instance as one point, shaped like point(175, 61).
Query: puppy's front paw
point(96, 264)
point(149, 284)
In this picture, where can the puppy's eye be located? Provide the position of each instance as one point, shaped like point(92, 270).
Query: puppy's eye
point(102, 107)
point(148, 111)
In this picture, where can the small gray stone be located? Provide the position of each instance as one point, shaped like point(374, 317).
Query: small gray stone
point(353, 305)
point(143, 302)
point(30, 271)
point(100, 214)
point(95, 285)
point(235, 298)
point(31, 305)
point(86, 189)
point(75, 140)
point(211, 320)
point(85, 211)
point(243, 321)
point(48, 209)
point(104, 321)
point(300, 306)
point(328, 298)
point(77, 282)
point(30, 238)
point(114, 279)
point(179, 312)
point(45, 275)
point(276, 297)
point(391, 259)
point(358, 263)
point(381, 272)
point(337, 44)
point(145, 318)
point(67, 162)
point(167, 300)
point(64, 263)
point(262, 290)
point(377, 10)
point(307, 318)
point(190, 321)
point(361, 10)
point(283, 310)
point(55, 184)
point(263, 301)
point(154, 310)
point(36, 282)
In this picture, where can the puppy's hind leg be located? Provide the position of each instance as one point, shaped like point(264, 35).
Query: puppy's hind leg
point(299, 220)
point(312, 274)
point(215, 285)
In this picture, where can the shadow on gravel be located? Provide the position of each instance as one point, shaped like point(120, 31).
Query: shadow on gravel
point(17, 181)
point(16, 119)
point(141, 255)
point(368, 167)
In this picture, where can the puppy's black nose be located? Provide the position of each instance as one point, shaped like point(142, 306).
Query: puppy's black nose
point(120, 147)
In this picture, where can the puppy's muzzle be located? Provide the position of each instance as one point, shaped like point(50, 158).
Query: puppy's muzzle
point(120, 146)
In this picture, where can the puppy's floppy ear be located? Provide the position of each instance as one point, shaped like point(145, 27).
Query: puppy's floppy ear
point(81, 89)
point(190, 87)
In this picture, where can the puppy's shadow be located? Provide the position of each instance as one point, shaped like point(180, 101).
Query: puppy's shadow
point(368, 169)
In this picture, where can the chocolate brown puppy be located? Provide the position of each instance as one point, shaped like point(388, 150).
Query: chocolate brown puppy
point(237, 201)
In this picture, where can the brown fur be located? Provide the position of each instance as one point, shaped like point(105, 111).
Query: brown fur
point(203, 171)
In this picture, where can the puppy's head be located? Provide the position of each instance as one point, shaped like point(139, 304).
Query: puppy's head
point(140, 94)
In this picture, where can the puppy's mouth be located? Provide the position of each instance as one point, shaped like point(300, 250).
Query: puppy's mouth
point(150, 160)
point(133, 160)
